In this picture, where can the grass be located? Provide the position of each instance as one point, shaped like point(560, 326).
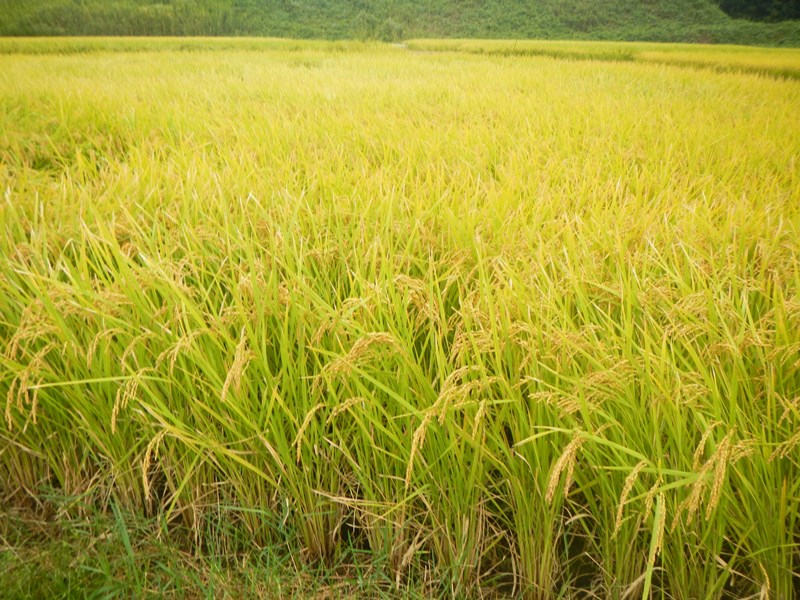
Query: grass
point(392, 20)
point(464, 322)
point(99, 555)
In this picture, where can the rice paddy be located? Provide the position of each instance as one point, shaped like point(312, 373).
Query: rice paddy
point(509, 324)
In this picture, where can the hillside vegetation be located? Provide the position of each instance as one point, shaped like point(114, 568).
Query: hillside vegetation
point(682, 20)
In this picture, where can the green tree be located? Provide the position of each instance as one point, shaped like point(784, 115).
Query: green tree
point(762, 10)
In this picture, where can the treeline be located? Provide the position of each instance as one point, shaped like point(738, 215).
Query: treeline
point(762, 10)
point(392, 20)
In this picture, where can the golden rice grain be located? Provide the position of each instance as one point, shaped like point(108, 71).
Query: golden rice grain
point(298, 440)
point(149, 453)
point(630, 481)
point(241, 359)
point(565, 462)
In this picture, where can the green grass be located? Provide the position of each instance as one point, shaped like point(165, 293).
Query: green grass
point(99, 555)
point(462, 322)
point(392, 20)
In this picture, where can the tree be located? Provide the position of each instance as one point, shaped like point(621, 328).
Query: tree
point(762, 10)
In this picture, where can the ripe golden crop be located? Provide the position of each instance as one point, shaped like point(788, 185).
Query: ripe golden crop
point(499, 313)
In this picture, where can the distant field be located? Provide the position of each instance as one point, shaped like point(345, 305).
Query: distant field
point(91, 45)
point(523, 324)
point(783, 62)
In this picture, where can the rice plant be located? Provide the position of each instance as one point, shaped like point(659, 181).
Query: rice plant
point(508, 323)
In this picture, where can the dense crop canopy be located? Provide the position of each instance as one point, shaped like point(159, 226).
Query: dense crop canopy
point(504, 320)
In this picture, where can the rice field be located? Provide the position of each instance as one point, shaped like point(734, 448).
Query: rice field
point(779, 62)
point(512, 325)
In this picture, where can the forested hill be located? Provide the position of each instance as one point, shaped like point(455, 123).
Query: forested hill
point(656, 20)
